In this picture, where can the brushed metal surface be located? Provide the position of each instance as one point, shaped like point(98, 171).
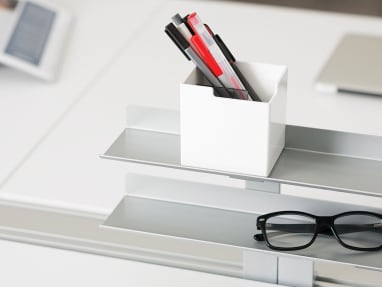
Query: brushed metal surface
point(235, 229)
point(313, 158)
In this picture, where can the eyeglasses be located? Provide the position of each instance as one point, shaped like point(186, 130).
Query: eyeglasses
point(294, 230)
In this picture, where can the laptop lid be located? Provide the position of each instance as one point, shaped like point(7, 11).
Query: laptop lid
point(355, 66)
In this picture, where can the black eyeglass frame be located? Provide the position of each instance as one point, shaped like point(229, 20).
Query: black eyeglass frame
point(322, 226)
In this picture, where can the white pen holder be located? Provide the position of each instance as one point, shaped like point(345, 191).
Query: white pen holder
point(233, 135)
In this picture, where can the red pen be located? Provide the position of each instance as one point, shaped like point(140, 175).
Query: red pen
point(205, 54)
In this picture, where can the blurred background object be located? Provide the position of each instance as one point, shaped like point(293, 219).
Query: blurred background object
point(364, 7)
point(8, 4)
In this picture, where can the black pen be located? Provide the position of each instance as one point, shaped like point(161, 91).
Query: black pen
point(190, 54)
point(231, 59)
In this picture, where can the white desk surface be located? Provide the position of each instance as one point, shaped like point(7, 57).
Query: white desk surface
point(29, 265)
point(30, 108)
point(66, 171)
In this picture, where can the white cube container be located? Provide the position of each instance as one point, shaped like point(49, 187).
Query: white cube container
point(237, 136)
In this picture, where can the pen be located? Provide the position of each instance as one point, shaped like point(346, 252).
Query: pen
point(190, 54)
point(230, 79)
point(205, 54)
point(197, 43)
point(231, 59)
point(181, 26)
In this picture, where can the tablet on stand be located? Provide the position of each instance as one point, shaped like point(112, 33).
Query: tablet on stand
point(32, 36)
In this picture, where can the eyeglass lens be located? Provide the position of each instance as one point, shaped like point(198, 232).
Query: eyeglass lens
point(290, 230)
point(359, 230)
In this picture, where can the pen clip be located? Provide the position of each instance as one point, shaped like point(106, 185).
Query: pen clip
point(184, 19)
point(227, 53)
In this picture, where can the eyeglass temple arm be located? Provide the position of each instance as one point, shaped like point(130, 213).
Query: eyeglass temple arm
point(340, 228)
point(351, 228)
point(304, 228)
point(288, 228)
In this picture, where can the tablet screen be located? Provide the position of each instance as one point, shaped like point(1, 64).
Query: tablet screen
point(31, 33)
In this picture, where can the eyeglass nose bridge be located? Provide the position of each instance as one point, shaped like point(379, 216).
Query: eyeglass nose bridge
point(325, 225)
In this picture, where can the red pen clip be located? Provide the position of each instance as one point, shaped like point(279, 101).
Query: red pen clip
point(206, 56)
